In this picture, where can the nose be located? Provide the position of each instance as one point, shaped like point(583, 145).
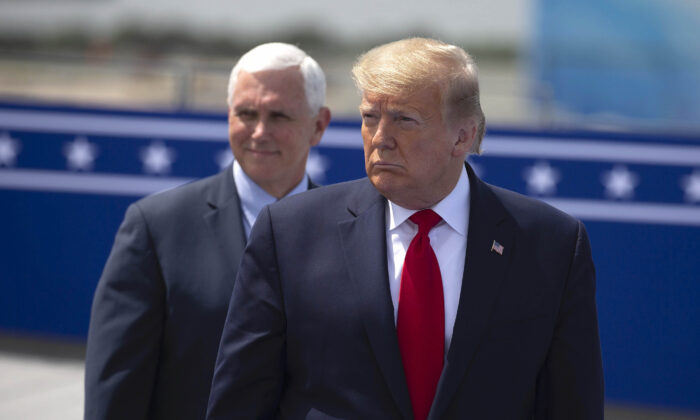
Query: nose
point(383, 137)
point(260, 129)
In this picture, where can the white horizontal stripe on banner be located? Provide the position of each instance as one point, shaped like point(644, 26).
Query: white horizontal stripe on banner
point(86, 183)
point(117, 125)
point(629, 212)
point(592, 150)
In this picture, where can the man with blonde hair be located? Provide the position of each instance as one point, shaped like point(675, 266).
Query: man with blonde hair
point(421, 291)
point(163, 296)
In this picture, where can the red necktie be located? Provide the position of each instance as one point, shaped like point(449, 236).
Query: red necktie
point(421, 318)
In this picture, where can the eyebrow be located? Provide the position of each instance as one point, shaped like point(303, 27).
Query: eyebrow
point(393, 109)
point(364, 107)
point(275, 110)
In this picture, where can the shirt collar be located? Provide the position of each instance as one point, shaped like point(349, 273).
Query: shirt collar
point(253, 198)
point(451, 208)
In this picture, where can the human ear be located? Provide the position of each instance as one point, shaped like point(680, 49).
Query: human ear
point(466, 136)
point(321, 122)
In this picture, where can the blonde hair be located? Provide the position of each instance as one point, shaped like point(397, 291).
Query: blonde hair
point(402, 67)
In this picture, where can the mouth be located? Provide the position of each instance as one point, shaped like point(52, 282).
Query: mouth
point(262, 152)
point(382, 164)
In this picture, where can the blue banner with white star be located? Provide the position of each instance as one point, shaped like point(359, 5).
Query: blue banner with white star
point(68, 174)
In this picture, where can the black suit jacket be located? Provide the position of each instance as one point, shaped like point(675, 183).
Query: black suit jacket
point(161, 302)
point(311, 331)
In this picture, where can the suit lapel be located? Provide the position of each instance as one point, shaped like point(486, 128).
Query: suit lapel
point(224, 218)
point(364, 246)
point(484, 272)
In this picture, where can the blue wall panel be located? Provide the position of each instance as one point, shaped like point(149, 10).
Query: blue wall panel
point(67, 176)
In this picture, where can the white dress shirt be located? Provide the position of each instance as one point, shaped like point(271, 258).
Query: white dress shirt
point(253, 198)
point(448, 239)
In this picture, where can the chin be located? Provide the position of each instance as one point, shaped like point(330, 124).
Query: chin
point(384, 184)
point(260, 173)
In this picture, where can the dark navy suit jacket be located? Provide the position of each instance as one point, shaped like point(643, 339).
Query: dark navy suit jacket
point(311, 331)
point(161, 302)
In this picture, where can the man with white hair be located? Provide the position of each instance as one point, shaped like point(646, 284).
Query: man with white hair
point(162, 299)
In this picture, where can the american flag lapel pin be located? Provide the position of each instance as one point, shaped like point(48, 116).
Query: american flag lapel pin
point(496, 247)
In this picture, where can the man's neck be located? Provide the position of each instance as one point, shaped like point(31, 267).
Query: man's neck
point(281, 189)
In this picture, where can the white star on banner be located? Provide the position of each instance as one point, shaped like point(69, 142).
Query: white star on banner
point(541, 178)
point(316, 166)
point(619, 182)
point(691, 186)
point(224, 158)
point(157, 158)
point(80, 154)
point(9, 149)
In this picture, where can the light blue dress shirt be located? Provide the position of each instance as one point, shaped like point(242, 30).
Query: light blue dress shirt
point(253, 198)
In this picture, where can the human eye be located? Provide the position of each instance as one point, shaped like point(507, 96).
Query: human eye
point(279, 115)
point(246, 114)
point(406, 119)
point(368, 117)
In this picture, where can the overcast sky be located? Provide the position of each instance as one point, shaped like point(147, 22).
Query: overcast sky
point(475, 20)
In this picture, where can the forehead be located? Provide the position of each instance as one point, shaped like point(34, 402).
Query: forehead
point(283, 85)
point(428, 98)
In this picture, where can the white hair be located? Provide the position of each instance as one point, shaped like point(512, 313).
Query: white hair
point(277, 56)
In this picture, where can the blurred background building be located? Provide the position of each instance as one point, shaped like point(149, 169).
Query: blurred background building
point(160, 55)
point(629, 62)
point(592, 106)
